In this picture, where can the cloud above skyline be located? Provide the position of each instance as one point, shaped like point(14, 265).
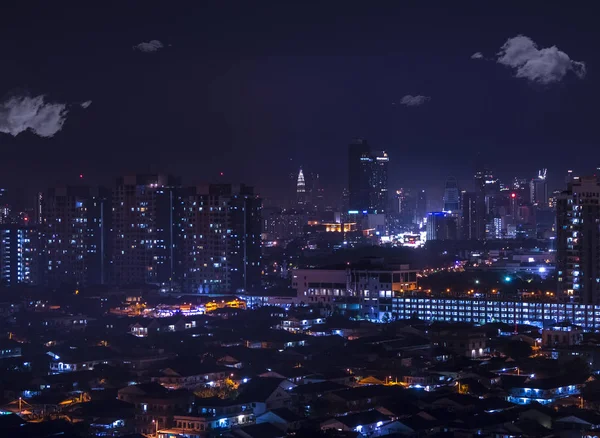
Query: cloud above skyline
point(149, 47)
point(410, 100)
point(545, 66)
point(477, 55)
point(86, 104)
point(22, 113)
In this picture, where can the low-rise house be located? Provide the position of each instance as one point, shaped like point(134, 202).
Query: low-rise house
point(185, 374)
point(70, 359)
point(367, 423)
point(265, 393)
point(545, 391)
point(282, 418)
point(9, 348)
point(155, 405)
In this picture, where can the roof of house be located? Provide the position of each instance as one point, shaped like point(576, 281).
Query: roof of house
point(362, 418)
point(259, 389)
point(261, 430)
point(319, 387)
point(285, 414)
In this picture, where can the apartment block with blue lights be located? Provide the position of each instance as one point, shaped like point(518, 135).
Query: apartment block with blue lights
point(19, 255)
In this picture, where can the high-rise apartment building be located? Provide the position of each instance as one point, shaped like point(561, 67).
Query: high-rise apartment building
point(75, 225)
point(143, 230)
point(19, 255)
point(219, 239)
point(578, 241)
point(367, 178)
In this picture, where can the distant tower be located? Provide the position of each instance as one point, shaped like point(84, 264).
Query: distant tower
point(451, 195)
point(301, 189)
point(538, 189)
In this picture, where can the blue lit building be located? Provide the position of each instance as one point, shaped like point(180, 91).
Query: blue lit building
point(19, 255)
point(544, 391)
point(441, 226)
point(481, 311)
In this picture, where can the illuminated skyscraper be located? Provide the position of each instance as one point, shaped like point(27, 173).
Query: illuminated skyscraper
point(538, 189)
point(473, 216)
point(301, 190)
point(379, 182)
point(420, 207)
point(578, 241)
point(451, 195)
point(368, 178)
point(441, 226)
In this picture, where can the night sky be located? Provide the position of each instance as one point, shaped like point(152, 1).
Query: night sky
point(256, 89)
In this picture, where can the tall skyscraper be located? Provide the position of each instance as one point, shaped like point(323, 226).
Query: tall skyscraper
point(473, 216)
point(20, 261)
point(578, 241)
point(218, 234)
point(368, 178)
point(301, 190)
point(420, 207)
point(75, 226)
point(538, 189)
point(441, 226)
point(143, 230)
point(359, 175)
point(451, 195)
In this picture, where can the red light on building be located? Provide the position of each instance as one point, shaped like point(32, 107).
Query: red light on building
point(513, 195)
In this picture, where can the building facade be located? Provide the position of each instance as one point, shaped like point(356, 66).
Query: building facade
point(578, 241)
point(219, 239)
point(19, 255)
point(143, 230)
point(75, 226)
point(367, 178)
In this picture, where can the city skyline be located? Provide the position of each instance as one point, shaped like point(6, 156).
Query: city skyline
point(261, 105)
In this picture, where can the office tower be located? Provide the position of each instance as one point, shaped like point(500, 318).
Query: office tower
point(316, 193)
point(143, 229)
point(219, 239)
point(538, 189)
point(473, 216)
point(359, 175)
point(368, 178)
point(19, 255)
point(578, 241)
point(75, 225)
point(441, 226)
point(451, 195)
point(379, 182)
point(301, 190)
point(420, 207)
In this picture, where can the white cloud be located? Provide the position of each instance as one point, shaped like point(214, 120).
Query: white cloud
point(409, 100)
point(477, 55)
point(86, 104)
point(546, 65)
point(19, 114)
point(149, 47)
